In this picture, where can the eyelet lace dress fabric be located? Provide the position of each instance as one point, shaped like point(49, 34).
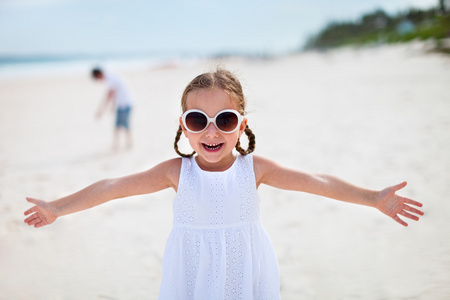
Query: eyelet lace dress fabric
point(218, 248)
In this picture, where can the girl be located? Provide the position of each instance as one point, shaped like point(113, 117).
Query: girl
point(217, 248)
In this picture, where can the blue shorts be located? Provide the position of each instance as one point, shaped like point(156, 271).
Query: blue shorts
point(123, 117)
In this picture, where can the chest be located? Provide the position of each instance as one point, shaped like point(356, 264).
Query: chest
point(216, 198)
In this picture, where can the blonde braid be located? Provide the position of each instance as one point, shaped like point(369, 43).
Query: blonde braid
point(251, 142)
point(177, 139)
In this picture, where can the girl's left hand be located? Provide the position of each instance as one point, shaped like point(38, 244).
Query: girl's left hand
point(392, 205)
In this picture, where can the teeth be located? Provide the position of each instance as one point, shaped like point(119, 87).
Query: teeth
point(213, 146)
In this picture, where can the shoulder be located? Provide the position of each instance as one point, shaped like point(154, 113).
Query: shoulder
point(174, 163)
point(157, 178)
point(171, 168)
point(263, 167)
point(112, 79)
point(262, 162)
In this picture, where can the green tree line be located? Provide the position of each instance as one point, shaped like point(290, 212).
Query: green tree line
point(380, 27)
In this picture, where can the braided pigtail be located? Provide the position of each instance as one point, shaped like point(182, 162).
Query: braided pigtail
point(177, 139)
point(251, 142)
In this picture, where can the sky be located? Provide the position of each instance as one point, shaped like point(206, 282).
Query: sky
point(35, 27)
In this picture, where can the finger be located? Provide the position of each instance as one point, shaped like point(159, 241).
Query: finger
point(399, 186)
point(400, 221)
point(35, 221)
point(32, 200)
point(411, 201)
point(409, 216)
point(40, 224)
point(31, 210)
point(413, 210)
point(32, 221)
point(31, 218)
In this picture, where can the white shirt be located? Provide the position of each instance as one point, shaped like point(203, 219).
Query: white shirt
point(122, 95)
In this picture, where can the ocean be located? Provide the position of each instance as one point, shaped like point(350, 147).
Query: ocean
point(12, 67)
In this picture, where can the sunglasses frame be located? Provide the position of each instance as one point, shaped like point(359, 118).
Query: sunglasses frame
point(212, 120)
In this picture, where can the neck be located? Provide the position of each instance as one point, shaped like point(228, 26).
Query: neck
point(220, 166)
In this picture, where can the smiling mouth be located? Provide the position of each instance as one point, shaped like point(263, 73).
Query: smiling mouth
point(212, 147)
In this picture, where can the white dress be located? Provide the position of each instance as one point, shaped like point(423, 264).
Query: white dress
point(218, 248)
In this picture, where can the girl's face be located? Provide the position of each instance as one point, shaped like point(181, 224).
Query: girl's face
point(214, 148)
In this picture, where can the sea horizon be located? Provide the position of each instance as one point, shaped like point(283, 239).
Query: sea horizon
point(30, 65)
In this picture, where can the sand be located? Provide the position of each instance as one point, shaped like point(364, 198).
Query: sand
point(373, 116)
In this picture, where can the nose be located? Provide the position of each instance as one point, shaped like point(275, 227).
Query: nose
point(211, 130)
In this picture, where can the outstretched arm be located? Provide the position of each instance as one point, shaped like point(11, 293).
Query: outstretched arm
point(386, 200)
point(160, 177)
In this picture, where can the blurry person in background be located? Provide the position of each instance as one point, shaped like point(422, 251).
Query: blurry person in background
point(119, 98)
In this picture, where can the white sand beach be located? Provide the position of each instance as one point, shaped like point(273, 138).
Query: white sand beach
point(373, 116)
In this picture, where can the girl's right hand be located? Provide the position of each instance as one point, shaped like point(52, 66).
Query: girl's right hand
point(42, 213)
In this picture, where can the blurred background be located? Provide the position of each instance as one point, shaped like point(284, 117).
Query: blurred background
point(43, 34)
point(358, 89)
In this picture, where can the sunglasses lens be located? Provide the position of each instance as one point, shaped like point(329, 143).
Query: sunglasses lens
point(227, 121)
point(196, 121)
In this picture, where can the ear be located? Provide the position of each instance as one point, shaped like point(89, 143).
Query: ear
point(243, 126)
point(182, 126)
